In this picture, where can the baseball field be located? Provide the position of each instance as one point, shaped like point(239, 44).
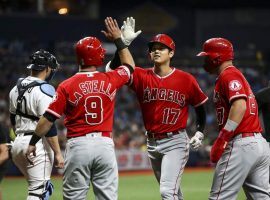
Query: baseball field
point(132, 186)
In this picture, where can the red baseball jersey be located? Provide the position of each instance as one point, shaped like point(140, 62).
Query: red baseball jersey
point(164, 101)
point(231, 85)
point(87, 100)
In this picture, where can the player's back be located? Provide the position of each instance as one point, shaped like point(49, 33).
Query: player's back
point(87, 100)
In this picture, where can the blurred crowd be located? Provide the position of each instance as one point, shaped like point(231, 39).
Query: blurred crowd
point(128, 125)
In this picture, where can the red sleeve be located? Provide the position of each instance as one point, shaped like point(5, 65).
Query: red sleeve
point(58, 104)
point(198, 97)
point(119, 76)
point(233, 86)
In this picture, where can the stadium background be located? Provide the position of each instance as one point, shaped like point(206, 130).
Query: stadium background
point(27, 25)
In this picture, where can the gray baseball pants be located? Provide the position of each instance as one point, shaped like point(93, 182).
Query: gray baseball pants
point(245, 162)
point(168, 157)
point(90, 159)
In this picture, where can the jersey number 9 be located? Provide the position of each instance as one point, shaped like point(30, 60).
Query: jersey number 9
point(94, 110)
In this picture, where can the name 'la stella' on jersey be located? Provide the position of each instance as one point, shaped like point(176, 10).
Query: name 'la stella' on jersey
point(153, 94)
point(94, 86)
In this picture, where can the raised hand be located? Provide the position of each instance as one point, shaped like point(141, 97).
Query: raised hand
point(113, 31)
point(128, 31)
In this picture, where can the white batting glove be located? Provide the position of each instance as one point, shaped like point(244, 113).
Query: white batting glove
point(196, 141)
point(128, 31)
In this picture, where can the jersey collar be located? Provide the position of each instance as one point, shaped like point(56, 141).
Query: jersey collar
point(229, 67)
point(32, 78)
point(161, 77)
point(86, 72)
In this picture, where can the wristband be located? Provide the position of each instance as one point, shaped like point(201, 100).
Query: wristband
point(34, 139)
point(129, 67)
point(119, 44)
point(230, 125)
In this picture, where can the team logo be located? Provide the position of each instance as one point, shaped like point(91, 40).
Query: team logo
point(122, 72)
point(235, 85)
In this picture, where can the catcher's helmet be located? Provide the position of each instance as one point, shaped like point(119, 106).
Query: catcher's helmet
point(89, 52)
point(42, 59)
point(163, 39)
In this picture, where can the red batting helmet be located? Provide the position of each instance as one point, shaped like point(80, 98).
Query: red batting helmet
point(218, 50)
point(163, 39)
point(89, 52)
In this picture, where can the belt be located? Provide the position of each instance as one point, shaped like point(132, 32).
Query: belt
point(94, 134)
point(244, 135)
point(24, 134)
point(160, 136)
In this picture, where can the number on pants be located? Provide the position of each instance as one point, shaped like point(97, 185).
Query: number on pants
point(94, 110)
point(170, 115)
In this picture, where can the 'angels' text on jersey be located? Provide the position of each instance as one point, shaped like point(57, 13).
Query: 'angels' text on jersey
point(164, 100)
point(152, 94)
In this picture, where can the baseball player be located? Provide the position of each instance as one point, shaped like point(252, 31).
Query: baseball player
point(28, 101)
point(87, 101)
point(263, 99)
point(240, 151)
point(164, 94)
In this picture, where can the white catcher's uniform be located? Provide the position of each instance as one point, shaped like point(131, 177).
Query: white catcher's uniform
point(35, 103)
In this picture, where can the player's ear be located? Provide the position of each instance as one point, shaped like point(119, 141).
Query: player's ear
point(149, 55)
point(171, 53)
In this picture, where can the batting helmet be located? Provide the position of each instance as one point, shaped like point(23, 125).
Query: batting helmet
point(218, 50)
point(42, 59)
point(163, 39)
point(89, 52)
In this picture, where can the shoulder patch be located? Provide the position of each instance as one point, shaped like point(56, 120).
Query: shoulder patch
point(122, 71)
point(235, 85)
point(47, 89)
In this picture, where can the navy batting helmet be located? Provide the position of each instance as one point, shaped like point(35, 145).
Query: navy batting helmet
point(42, 59)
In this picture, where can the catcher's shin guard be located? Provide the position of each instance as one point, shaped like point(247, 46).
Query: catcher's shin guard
point(48, 190)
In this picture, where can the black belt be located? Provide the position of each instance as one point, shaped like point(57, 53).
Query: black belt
point(24, 134)
point(160, 136)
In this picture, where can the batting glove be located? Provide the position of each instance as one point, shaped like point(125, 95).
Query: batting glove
point(128, 31)
point(196, 141)
point(220, 145)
